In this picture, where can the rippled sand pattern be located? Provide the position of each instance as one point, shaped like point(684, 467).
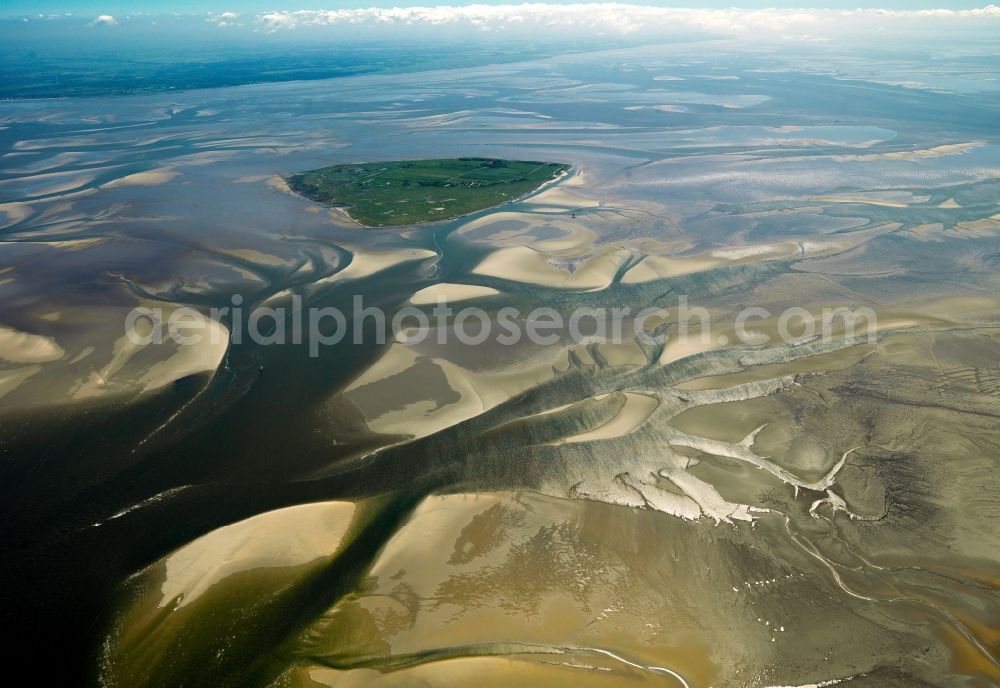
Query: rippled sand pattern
point(700, 512)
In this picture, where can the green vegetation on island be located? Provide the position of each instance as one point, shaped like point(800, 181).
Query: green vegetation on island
point(407, 192)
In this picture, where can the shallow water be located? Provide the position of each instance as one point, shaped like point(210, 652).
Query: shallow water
point(572, 513)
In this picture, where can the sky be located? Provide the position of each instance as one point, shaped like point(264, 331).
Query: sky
point(101, 23)
point(116, 7)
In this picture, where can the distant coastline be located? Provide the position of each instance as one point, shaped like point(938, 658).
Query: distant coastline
point(27, 74)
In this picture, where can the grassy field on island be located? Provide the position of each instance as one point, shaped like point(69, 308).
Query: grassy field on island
point(388, 194)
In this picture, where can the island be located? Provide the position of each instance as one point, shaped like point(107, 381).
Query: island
point(409, 192)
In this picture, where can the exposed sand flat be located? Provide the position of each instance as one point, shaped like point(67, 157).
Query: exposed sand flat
point(623, 353)
point(522, 264)
point(76, 183)
point(978, 228)
point(821, 684)
point(429, 394)
point(258, 142)
point(72, 194)
point(950, 203)
point(24, 347)
point(150, 178)
point(959, 309)
point(659, 267)
point(921, 154)
point(680, 346)
point(937, 231)
point(521, 221)
point(922, 231)
point(507, 585)
point(368, 263)
point(836, 360)
point(92, 386)
point(759, 331)
point(788, 210)
point(440, 518)
point(507, 228)
point(637, 408)
point(862, 200)
point(190, 359)
point(450, 292)
point(562, 196)
point(507, 125)
point(431, 413)
point(785, 249)
point(206, 158)
point(766, 331)
point(43, 165)
point(441, 120)
point(278, 183)
point(123, 374)
point(480, 542)
point(338, 216)
point(83, 353)
point(514, 111)
point(283, 538)
point(16, 211)
point(396, 359)
point(281, 298)
point(548, 516)
point(53, 209)
point(548, 209)
point(12, 379)
point(253, 179)
point(260, 257)
point(60, 142)
point(741, 252)
point(398, 369)
point(494, 388)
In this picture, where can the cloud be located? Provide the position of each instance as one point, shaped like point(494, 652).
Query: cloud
point(105, 20)
point(284, 20)
point(224, 18)
point(626, 19)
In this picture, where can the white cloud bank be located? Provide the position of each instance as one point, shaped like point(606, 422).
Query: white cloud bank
point(105, 20)
point(224, 18)
point(627, 19)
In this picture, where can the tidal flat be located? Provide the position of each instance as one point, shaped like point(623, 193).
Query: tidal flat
point(698, 512)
